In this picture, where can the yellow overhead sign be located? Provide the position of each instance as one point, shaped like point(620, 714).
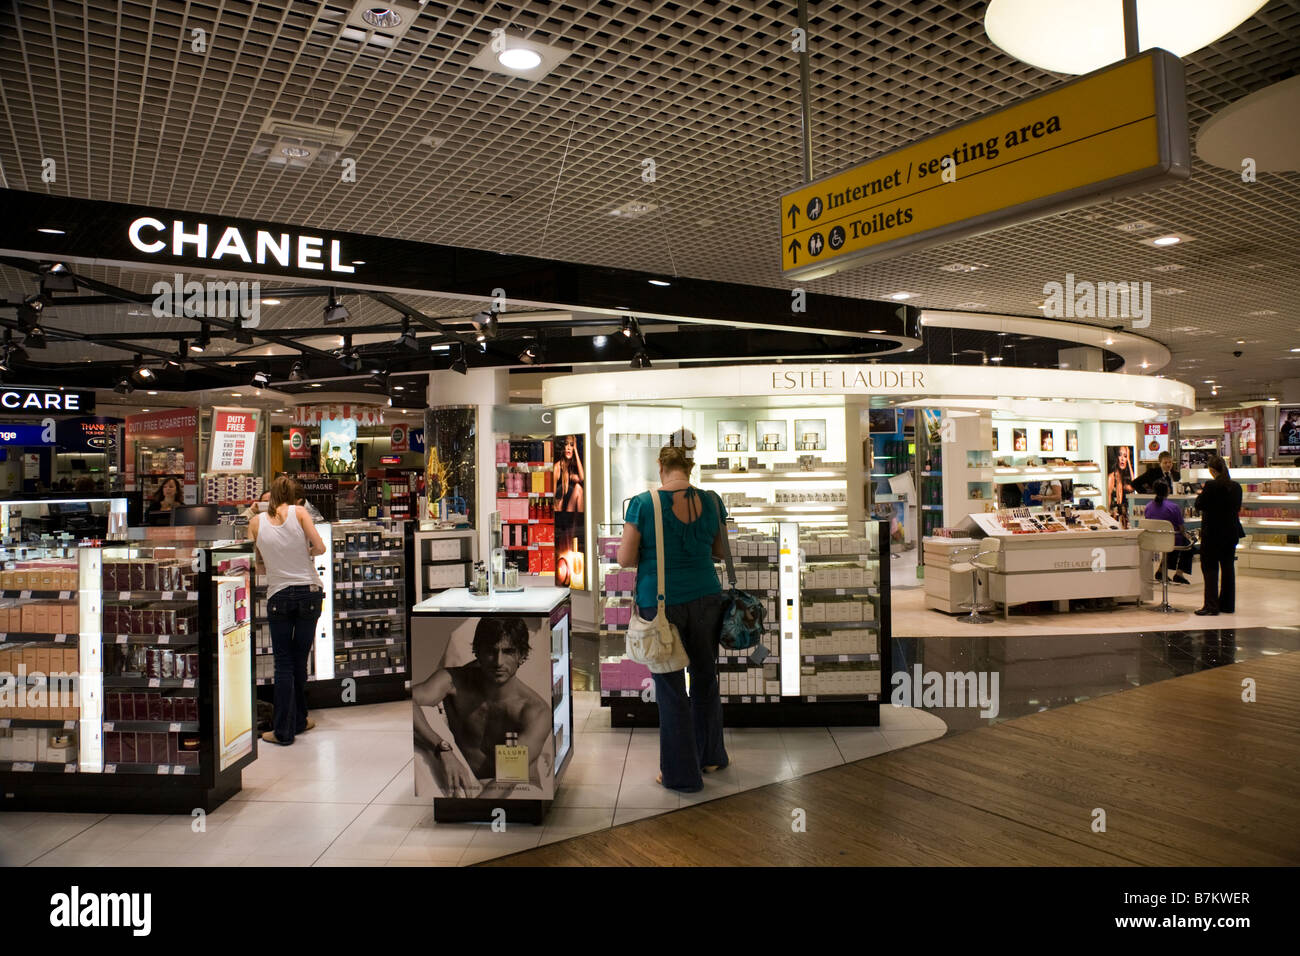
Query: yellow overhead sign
point(1116, 130)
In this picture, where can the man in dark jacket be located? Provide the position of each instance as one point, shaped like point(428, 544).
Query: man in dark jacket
point(1163, 470)
point(1219, 504)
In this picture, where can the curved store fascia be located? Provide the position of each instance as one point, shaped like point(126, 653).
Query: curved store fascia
point(1108, 395)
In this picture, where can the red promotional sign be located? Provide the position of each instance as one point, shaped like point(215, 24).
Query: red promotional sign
point(299, 443)
point(400, 441)
point(234, 440)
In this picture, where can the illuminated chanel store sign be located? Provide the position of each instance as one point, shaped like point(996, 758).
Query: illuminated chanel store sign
point(153, 236)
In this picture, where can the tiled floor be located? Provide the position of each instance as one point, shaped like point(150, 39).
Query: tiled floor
point(342, 796)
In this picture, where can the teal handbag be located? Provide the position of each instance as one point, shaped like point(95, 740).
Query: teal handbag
point(742, 614)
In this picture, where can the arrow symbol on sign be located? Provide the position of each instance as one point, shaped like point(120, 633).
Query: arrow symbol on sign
point(794, 211)
point(794, 249)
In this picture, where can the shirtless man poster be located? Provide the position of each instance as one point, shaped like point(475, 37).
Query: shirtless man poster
point(468, 715)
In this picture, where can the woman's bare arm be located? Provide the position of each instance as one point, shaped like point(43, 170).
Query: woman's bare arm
point(629, 548)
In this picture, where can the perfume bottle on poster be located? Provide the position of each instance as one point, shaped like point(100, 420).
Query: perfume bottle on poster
point(512, 760)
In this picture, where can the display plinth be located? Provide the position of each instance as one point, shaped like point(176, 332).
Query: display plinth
point(492, 703)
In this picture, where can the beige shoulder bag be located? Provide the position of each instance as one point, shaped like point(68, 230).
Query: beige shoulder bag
point(656, 644)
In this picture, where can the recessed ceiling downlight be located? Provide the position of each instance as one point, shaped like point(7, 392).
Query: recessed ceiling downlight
point(519, 58)
point(296, 152)
point(382, 18)
point(1165, 241)
point(51, 232)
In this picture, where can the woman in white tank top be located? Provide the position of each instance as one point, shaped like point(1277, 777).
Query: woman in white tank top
point(287, 541)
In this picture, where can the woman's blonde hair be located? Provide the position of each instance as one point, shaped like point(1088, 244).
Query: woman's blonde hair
point(679, 453)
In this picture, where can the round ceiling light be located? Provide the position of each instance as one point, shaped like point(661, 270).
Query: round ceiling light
point(519, 58)
point(1079, 36)
point(296, 152)
point(382, 18)
point(1166, 241)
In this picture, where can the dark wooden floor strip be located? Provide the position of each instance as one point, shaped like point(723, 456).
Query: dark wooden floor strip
point(1187, 773)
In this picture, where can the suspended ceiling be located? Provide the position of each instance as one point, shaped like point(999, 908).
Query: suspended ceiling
point(445, 152)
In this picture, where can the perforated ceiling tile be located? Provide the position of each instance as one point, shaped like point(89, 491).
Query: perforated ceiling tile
point(116, 94)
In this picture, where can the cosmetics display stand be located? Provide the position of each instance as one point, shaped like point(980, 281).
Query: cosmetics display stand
point(827, 593)
point(361, 650)
point(501, 713)
point(1043, 556)
point(129, 680)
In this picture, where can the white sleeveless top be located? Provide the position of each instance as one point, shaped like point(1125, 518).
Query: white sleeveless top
point(285, 553)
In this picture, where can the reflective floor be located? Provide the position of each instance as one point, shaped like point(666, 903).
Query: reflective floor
point(1040, 672)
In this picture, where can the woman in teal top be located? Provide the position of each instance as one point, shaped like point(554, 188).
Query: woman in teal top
point(690, 728)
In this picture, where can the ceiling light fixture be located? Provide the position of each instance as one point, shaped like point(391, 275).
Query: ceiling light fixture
point(382, 18)
point(659, 282)
point(347, 355)
point(57, 278)
point(270, 301)
point(1071, 36)
point(519, 58)
point(51, 231)
point(599, 341)
point(204, 340)
point(34, 338)
point(261, 379)
point(143, 373)
point(407, 340)
point(298, 372)
point(531, 355)
point(1165, 241)
point(460, 365)
point(900, 296)
point(335, 311)
point(641, 359)
point(124, 386)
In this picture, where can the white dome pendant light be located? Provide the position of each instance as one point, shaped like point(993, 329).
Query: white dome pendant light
point(1079, 36)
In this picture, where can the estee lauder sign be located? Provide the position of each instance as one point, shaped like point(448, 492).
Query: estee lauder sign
point(847, 378)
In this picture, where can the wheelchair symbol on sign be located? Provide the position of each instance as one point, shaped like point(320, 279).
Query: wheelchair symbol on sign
point(836, 238)
point(815, 208)
point(815, 243)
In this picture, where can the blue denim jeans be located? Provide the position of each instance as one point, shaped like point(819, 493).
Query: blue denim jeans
point(292, 614)
point(690, 727)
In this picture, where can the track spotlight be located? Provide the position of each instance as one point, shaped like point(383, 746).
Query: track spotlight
point(407, 339)
point(201, 344)
point(29, 312)
point(299, 372)
point(261, 379)
point(178, 361)
point(56, 278)
point(143, 373)
point(531, 355)
point(240, 334)
point(641, 360)
point(347, 355)
point(460, 365)
point(124, 386)
point(627, 327)
point(34, 338)
point(335, 311)
point(485, 325)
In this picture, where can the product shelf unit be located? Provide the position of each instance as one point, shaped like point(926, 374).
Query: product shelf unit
point(151, 678)
point(820, 671)
point(361, 649)
point(1270, 516)
point(525, 500)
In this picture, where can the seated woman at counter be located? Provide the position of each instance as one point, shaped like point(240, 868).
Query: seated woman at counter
point(168, 496)
point(1180, 562)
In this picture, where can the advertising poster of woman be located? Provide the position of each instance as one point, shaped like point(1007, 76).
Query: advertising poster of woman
point(570, 513)
point(1119, 480)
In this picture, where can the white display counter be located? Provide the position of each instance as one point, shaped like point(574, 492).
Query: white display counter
point(1058, 566)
